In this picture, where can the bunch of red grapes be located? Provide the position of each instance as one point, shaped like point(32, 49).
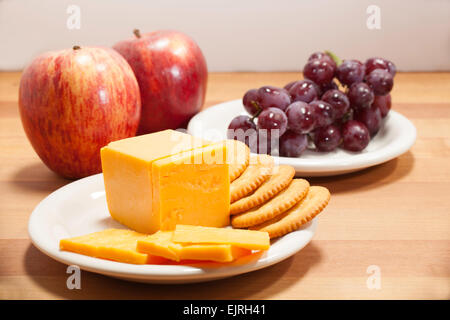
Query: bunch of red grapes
point(319, 111)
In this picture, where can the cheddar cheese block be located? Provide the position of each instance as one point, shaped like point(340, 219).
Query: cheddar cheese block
point(155, 181)
point(113, 244)
point(247, 239)
point(161, 244)
point(192, 188)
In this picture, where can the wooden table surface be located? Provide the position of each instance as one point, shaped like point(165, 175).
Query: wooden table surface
point(395, 216)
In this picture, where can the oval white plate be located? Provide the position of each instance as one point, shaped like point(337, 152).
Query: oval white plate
point(396, 137)
point(80, 208)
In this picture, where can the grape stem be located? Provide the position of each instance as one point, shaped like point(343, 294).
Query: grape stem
point(335, 58)
point(255, 104)
point(347, 117)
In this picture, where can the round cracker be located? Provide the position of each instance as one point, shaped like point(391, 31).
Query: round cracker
point(282, 202)
point(238, 157)
point(304, 211)
point(281, 178)
point(258, 171)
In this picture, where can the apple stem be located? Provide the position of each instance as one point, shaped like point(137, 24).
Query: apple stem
point(137, 33)
point(76, 47)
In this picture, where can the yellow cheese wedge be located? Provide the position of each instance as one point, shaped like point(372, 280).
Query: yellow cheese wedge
point(157, 180)
point(247, 239)
point(160, 244)
point(192, 188)
point(113, 244)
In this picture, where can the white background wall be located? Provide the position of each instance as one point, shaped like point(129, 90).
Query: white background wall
point(252, 35)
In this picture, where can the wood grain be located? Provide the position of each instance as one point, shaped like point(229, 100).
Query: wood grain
point(395, 215)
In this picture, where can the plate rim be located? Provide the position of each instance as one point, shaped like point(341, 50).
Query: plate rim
point(168, 273)
point(404, 141)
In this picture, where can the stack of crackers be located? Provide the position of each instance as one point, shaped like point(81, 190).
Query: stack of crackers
point(266, 197)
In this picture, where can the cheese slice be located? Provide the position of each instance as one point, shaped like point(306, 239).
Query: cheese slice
point(157, 180)
point(161, 244)
point(212, 252)
point(113, 244)
point(248, 239)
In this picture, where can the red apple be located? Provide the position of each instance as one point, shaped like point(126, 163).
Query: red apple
point(73, 102)
point(172, 74)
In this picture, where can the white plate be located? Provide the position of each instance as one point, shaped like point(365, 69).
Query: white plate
point(80, 208)
point(396, 137)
